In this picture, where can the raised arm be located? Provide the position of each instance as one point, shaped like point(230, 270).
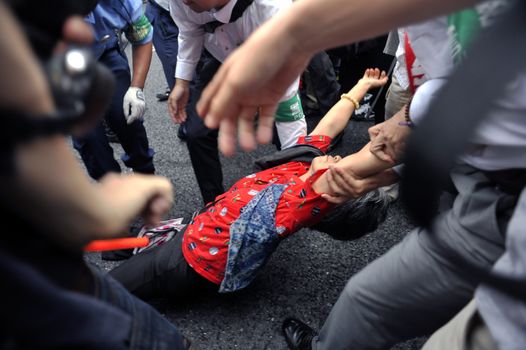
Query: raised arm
point(338, 116)
point(257, 74)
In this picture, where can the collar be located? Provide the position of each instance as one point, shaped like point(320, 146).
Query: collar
point(225, 13)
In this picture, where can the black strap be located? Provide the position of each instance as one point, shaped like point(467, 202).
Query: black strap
point(18, 128)
point(237, 12)
point(297, 153)
point(492, 61)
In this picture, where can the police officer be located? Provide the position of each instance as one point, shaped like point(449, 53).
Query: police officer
point(109, 19)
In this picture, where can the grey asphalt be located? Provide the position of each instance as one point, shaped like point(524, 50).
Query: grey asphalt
point(304, 276)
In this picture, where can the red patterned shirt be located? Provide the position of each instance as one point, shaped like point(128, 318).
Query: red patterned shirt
point(206, 239)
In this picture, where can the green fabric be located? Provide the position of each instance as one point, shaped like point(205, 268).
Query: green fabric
point(139, 30)
point(463, 27)
point(290, 110)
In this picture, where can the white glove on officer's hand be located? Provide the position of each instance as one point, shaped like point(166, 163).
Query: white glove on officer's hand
point(134, 105)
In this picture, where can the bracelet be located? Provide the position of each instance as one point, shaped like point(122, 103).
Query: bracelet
point(407, 122)
point(350, 98)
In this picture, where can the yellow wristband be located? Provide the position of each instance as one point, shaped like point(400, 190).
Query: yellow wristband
point(350, 98)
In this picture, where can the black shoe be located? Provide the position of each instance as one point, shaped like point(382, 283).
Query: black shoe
point(163, 96)
point(297, 334)
point(181, 133)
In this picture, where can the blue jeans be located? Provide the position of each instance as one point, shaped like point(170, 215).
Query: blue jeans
point(52, 300)
point(165, 33)
point(149, 330)
point(94, 147)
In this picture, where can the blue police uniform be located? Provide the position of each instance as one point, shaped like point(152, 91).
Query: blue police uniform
point(165, 33)
point(109, 19)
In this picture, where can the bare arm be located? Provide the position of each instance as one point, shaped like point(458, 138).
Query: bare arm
point(48, 178)
point(141, 56)
point(338, 116)
point(359, 165)
point(257, 74)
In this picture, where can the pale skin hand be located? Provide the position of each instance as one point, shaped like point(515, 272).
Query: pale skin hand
point(247, 83)
point(388, 138)
point(49, 180)
point(257, 74)
point(178, 100)
point(344, 185)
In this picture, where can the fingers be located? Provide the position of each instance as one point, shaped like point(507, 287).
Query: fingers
point(374, 131)
point(247, 140)
point(266, 123)
point(227, 136)
point(156, 209)
point(344, 183)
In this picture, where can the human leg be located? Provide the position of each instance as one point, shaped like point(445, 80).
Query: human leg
point(466, 331)
point(149, 330)
point(324, 82)
point(96, 152)
point(201, 141)
point(133, 138)
point(415, 287)
point(396, 98)
point(165, 33)
point(161, 272)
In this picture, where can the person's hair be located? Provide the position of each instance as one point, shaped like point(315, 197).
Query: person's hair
point(357, 217)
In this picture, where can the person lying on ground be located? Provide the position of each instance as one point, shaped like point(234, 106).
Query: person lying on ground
point(226, 243)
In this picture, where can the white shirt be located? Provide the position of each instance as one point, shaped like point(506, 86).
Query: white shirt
point(225, 39)
point(500, 140)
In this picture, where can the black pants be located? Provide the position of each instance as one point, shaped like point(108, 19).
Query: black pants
point(201, 141)
point(162, 272)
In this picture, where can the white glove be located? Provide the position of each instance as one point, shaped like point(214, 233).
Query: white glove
point(134, 105)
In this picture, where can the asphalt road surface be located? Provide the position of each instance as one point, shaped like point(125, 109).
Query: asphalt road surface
point(304, 276)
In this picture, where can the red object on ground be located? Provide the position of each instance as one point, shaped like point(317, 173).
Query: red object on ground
point(116, 244)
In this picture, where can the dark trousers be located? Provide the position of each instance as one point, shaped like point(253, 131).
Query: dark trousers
point(162, 272)
point(94, 147)
point(201, 141)
point(356, 58)
point(324, 82)
point(38, 313)
point(165, 33)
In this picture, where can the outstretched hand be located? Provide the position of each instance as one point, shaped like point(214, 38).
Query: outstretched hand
point(374, 78)
point(249, 84)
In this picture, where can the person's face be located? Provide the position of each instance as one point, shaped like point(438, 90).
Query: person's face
point(205, 5)
point(323, 162)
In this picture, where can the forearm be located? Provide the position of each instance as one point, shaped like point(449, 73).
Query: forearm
point(363, 163)
point(64, 202)
point(347, 21)
point(142, 56)
point(338, 116)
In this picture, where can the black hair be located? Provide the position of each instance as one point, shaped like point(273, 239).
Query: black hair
point(357, 217)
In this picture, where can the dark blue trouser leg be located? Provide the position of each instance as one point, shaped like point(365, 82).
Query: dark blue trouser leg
point(94, 147)
point(165, 33)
